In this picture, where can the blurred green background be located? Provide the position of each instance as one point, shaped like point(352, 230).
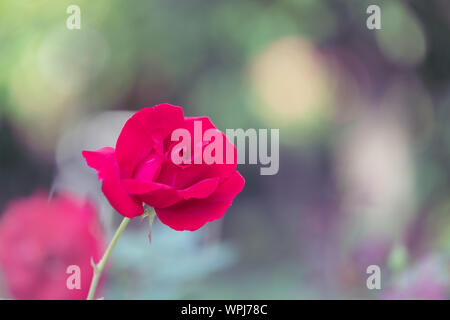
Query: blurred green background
point(364, 137)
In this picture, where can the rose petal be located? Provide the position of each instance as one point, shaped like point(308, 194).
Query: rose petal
point(98, 159)
point(230, 188)
point(135, 141)
point(200, 190)
point(183, 176)
point(152, 193)
point(126, 204)
point(148, 169)
point(194, 213)
point(139, 187)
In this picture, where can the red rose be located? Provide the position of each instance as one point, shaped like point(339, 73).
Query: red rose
point(140, 170)
point(40, 239)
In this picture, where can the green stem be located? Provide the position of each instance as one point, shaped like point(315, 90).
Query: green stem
point(98, 268)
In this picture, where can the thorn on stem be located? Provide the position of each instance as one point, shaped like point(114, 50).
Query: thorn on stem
point(94, 266)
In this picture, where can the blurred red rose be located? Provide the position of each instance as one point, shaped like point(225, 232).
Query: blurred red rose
point(40, 239)
point(140, 169)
